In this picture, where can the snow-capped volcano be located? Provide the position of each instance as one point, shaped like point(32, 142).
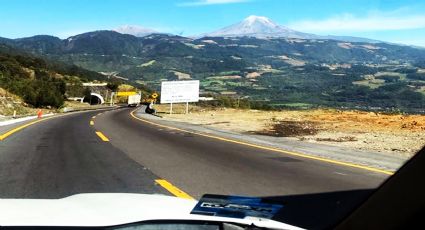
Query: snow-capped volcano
point(263, 27)
point(260, 27)
point(137, 31)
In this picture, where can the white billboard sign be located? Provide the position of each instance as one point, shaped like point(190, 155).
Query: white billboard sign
point(179, 91)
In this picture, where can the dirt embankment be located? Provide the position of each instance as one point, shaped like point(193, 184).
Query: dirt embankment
point(369, 131)
point(11, 103)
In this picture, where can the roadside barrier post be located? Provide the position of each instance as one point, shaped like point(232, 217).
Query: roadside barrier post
point(39, 113)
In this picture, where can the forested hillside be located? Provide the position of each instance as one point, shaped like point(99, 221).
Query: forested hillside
point(39, 82)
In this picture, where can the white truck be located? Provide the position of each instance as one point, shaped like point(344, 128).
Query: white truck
point(134, 100)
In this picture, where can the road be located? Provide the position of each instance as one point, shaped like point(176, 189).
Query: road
point(64, 155)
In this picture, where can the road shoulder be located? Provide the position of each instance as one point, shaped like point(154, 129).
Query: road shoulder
point(370, 159)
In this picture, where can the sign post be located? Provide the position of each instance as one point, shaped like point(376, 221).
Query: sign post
point(112, 98)
point(179, 92)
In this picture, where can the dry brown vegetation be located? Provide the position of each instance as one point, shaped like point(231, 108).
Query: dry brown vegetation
point(389, 133)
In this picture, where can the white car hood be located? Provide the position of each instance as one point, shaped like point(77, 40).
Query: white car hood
point(108, 209)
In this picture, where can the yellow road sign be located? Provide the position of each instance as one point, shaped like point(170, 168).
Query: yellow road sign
point(154, 95)
point(126, 93)
point(149, 100)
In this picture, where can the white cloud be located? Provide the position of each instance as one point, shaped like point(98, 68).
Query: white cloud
point(210, 2)
point(374, 21)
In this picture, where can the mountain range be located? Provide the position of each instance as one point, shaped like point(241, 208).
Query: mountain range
point(137, 31)
point(252, 26)
point(255, 59)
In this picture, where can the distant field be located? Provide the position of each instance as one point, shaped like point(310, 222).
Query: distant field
point(225, 77)
point(234, 72)
point(147, 63)
point(373, 84)
point(394, 74)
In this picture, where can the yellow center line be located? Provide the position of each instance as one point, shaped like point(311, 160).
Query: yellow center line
point(91, 122)
point(364, 167)
point(173, 189)
point(102, 136)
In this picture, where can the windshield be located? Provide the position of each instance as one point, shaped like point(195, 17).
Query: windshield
point(309, 105)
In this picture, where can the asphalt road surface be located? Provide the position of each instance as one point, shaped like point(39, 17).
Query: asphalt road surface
point(64, 155)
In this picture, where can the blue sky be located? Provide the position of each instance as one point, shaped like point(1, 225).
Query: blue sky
point(388, 20)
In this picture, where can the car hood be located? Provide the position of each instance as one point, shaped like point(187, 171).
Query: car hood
point(108, 209)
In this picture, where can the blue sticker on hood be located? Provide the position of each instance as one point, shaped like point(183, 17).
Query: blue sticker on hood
point(235, 207)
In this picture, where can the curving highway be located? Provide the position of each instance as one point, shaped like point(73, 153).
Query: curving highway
point(111, 151)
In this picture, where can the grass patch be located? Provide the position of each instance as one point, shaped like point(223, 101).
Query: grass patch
point(373, 84)
point(212, 83)
point(234, 72)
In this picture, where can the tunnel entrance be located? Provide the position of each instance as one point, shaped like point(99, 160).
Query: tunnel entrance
point(94, 99)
